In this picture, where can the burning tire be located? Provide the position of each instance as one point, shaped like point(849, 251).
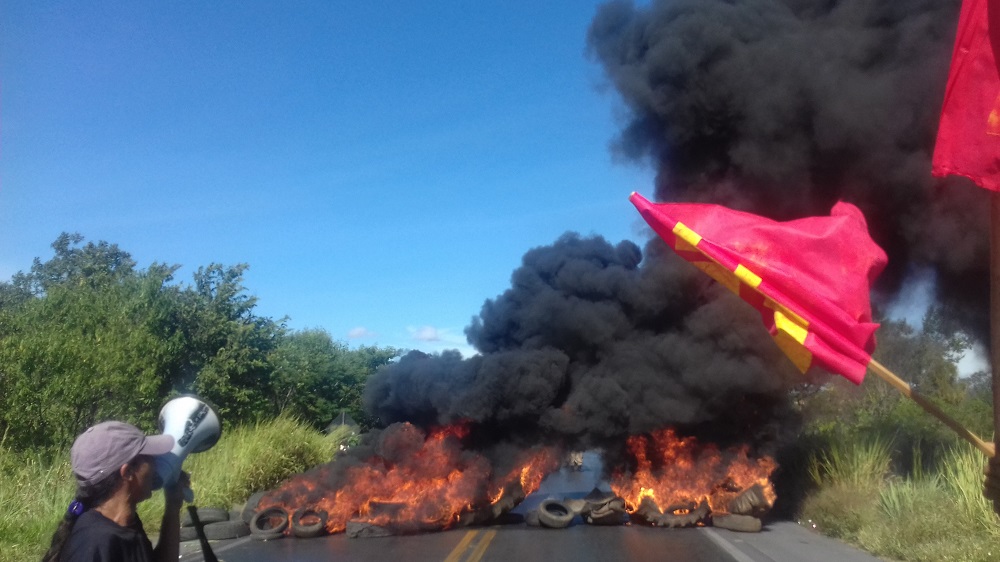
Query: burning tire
point(610, 513)
point(269, 523)
point(554, 514)
point(676, 516)
point(223, 530)
point(308, 530)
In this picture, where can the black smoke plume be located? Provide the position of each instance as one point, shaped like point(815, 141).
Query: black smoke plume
point(783, 107)
point(777, 107)
point(592, 344)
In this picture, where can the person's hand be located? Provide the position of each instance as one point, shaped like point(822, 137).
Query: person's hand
point(174, 494)
point(991, 488)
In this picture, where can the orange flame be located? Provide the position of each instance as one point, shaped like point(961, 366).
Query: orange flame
point(429, 489)
point(676, 471)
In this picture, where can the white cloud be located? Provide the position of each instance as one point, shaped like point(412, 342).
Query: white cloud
point(426, 333)
point(360, 332)
point(436, 340)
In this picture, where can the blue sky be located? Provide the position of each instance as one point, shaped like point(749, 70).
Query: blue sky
point(381, 166)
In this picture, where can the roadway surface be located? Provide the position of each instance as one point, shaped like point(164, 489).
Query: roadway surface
point(778, 542)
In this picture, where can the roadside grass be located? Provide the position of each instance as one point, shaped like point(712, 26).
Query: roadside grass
point(35, 493)
point(929, 515)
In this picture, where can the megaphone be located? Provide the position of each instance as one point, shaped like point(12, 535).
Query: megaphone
point(195, 427)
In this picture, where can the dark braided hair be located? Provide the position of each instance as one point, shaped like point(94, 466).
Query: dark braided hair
point(88, 497)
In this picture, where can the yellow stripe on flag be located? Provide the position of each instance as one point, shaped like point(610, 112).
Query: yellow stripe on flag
point(686, 235)
point(720, 274)
point(791, 338)
point(778, 307)
point(747, 276)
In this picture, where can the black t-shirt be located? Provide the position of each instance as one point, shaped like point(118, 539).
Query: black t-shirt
point(95, 538)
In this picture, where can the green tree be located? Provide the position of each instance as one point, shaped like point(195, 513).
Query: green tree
point(315, 378)
point(927, 359)
point(85, 336)
point(86, 351)
point(90, 263)
point(226, 344)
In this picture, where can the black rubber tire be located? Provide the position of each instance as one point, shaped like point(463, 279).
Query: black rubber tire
point(308, 531)
point(554, 514)
point(223, 530)
point(250, 508)
point(189, 534)
point(265, 535)
point(257, 529)
point(206, 515)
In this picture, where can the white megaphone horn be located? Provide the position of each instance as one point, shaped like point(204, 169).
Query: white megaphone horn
point(195, 427)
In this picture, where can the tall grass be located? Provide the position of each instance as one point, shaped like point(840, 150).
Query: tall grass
point(858, 464)
point(35, 493)
point(847, 475)
point(934, 514)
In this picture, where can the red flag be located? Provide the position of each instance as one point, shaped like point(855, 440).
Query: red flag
point(810, 278)
point(968, 140)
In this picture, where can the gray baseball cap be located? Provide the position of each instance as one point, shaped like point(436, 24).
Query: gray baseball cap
point(104, 448)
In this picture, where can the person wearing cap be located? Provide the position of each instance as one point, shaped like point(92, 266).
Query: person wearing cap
point(113, 465)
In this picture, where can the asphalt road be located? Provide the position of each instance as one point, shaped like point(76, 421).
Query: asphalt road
point(518, 542)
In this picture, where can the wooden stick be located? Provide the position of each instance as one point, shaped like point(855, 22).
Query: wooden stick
point(904, 387)
point(995, 309)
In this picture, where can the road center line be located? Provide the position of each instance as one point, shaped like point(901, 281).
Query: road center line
point(463, 544)
point(484, 543)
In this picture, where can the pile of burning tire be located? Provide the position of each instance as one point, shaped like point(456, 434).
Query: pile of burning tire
point(600, 508)
point(742, 514)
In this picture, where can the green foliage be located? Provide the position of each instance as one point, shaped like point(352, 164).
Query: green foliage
point(841, 511)
point(33, 498)
point(315, 378)
point(86, 336)
point(226, 344)
point(856, 464)
point(84, 353)
point(962, 475)
point(92, 264)
point(935, 515)
point(917, 493)
point(927, 359)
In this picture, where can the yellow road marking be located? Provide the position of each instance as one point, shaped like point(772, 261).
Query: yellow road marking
point(463, 544)
point(481, 547)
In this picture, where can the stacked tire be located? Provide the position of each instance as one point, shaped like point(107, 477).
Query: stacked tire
point(216, 523)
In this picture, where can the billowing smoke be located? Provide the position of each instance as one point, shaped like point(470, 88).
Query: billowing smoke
point(592, 344)
point(782, 107)
point(778, 107)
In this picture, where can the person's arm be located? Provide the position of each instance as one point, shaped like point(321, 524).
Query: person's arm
point(168, 548)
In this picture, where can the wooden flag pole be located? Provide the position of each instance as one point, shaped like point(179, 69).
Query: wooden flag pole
point(995, 307)
point(991, 488)
point(904, 387)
